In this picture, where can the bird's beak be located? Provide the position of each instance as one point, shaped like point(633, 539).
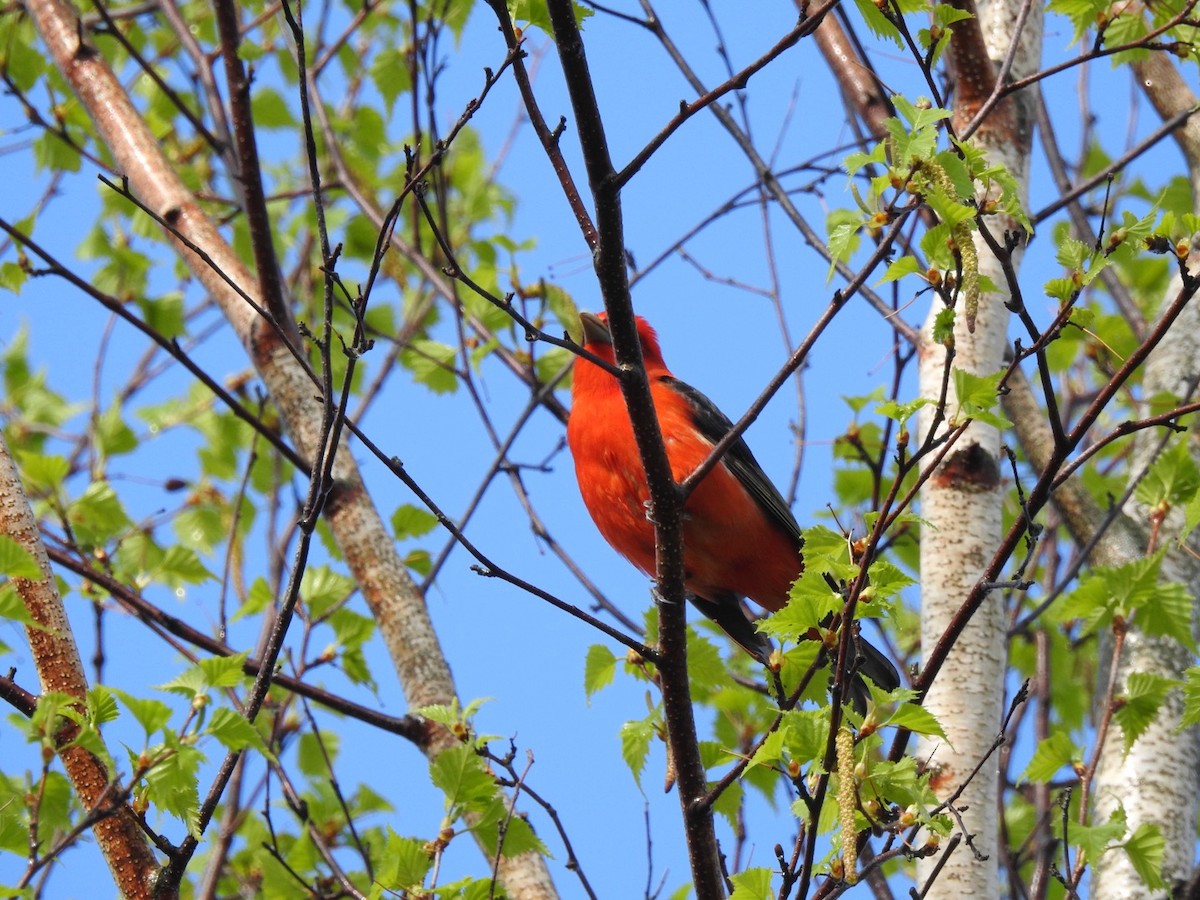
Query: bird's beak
point(594, 330)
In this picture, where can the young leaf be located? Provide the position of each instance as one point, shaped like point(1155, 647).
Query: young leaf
point(1146, 849)
point(404, 863)
point(635, 746)
point(752, 884)
point(235, 733)
point(598, 669)
point(16, 561)
point(1144, 696)
point(1049, 758)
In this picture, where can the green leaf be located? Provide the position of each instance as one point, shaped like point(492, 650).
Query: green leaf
point(113, 436)
point(391, 74)
point(21, 62)
point(97, 516)
point(312, 750)
point(1191, 698)
point(212, 672)
point(1142, 701)
point(1146, 849)
point(730, 804)
point(225, 671)
point(887, 581)
point(900, 268)
point(806, 734)
point(918, 720)
point(13, 609)
point(878, 23)
point(180, 565)
point(172, 783)
point(855, 162)
point(918, 117)
point(235, 733)
point(598, 669)
point(151, 714)
point(635, 746)
point(752, 884)
point(901, 783)
point(519, 837)
point(535, 14)
point(258, 598)
point(432, 365)
point(404, 863)
point(410, 521)
point(17, 562)
point(1169, 613)
point(164, 314)
point(102, 705)
point(1172, 480)
point(419, 561)
point(770, 751)
point(322, 588)
point(1049, 758)
point(269, 109)
point(12, 277)
point(460, 774)
point(943, 327)
point(706, 669)
point(551, 363)
point(978, 397)
point(1093, 839)
point(1073, 254)
point(844, 238)
point(52, 154)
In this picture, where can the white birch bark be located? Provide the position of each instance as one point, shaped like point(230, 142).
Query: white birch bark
point(961, 502)
point(1158, 781)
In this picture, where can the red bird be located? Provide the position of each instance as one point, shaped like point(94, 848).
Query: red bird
point(739, 537)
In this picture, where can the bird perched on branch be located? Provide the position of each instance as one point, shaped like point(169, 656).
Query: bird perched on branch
point(739, 537)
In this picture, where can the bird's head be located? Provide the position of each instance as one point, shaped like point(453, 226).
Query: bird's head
point(597, 339)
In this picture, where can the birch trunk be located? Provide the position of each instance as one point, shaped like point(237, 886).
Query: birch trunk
point(961, 502)
point(1158, 782)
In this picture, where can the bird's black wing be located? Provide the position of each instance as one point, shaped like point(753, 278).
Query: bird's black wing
point(726, 611)
point(714, 425)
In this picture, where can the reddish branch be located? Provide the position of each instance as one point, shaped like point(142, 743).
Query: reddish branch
point(60, 669)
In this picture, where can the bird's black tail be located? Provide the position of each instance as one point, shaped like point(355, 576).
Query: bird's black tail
point(868, 661)
point(728, 613)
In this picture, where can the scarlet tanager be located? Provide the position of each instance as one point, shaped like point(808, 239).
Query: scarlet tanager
point(739, 537)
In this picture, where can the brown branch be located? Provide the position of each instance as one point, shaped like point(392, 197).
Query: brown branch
point(735, 82)
point(549, 138)
point(56, 657)
point(408, 727)
point(1171, 97)
point(247, 177)
point(860, 86)
point(769, 178)
point(665, 501)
